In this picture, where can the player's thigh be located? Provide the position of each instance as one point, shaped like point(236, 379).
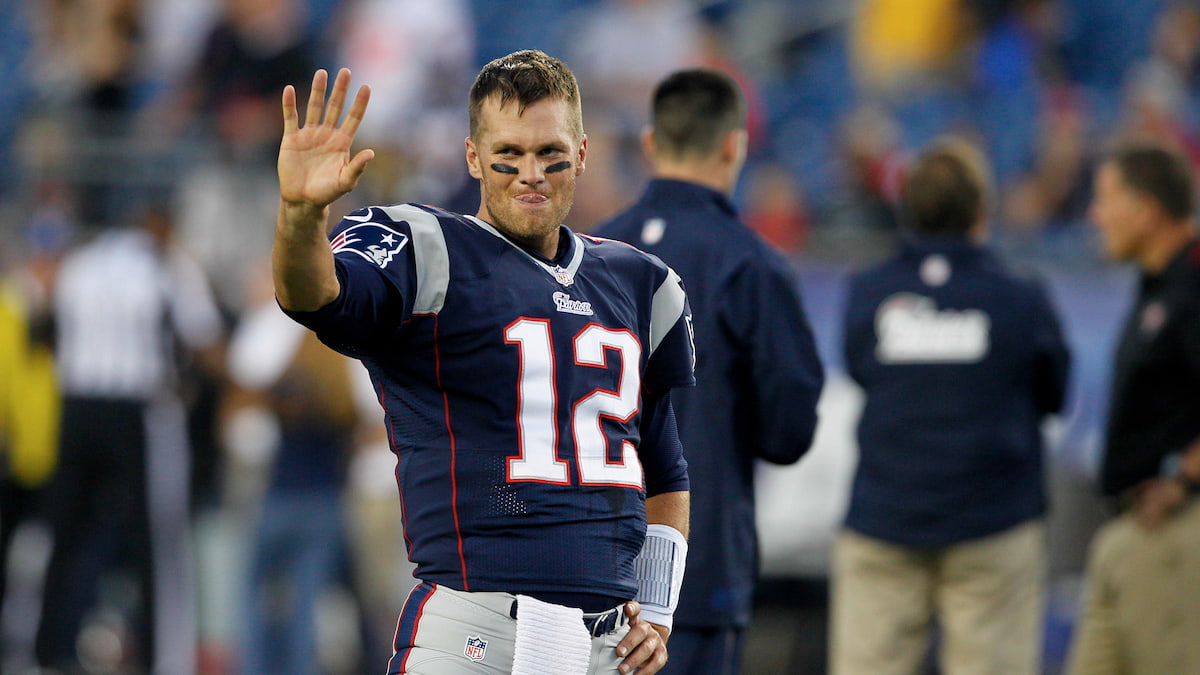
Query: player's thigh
point(991, 600)
point(442, 632)
point(430, 662)
point(604, 659)
point(881, 606)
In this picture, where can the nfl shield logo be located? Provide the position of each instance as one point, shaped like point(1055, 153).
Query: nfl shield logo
point(476, 647)
point(563, 276)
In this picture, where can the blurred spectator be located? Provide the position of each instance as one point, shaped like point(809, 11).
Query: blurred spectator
point(29, 423)
point(714, 50)
point(302, 389)
point(502, 31)
point(910, 58)
point(1156, 97)
point(1142, 588)
point(776, 209)
point(959, 361)
point(122, 304)
point(255, 48)
point(417, 56)
point(16, 42)
point(608, 188)
point(623, 47)
point(901, 42)
point(798, 55)
point(84, 66)
point(1102, 40)
point(174, 34)
point(875, 158)
point(1053, 191)
point(1016, 63)
point(619, 50)
point(1041, 208)
point(103, 36)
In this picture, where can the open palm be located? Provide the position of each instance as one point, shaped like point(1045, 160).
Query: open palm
point(315, 167)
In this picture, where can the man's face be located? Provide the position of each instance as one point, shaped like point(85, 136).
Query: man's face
point(1122, 215)
point(526, 165)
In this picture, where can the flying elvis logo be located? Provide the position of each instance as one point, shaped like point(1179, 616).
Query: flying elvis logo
point(375, 242)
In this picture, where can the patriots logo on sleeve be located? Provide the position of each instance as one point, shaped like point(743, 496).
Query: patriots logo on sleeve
point(373, 241)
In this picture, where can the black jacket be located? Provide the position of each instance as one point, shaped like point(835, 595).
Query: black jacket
point(1155, 402)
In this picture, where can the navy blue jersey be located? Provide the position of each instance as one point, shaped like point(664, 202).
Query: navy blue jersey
point(526, 399)
point(959, 360)
point(758, 380)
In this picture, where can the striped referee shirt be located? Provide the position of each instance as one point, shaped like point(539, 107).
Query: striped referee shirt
point(121, 305)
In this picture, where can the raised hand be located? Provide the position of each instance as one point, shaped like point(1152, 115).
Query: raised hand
point(315, 167)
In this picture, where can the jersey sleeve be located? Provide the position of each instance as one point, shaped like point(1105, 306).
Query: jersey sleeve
point(376, 268)
point(660, 451)
point(672, 358)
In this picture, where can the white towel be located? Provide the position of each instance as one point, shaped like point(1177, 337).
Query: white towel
point(550, 639)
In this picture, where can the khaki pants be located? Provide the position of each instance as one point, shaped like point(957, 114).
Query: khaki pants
point(987, 594)
point(1142, 608)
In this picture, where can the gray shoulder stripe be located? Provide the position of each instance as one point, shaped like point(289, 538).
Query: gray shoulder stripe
point(667, 307)
point(429, 254)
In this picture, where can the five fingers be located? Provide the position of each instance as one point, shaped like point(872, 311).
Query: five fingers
point(320, 113)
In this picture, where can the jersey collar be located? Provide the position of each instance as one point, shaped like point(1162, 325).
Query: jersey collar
point(562, 268)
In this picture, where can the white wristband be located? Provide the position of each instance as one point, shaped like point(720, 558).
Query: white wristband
point(659, 572)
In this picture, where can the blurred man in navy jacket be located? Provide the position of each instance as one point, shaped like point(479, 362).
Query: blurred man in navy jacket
point(757, 369)
point(959, 360)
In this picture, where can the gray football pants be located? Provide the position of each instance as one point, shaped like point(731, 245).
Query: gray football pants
point(443, 631)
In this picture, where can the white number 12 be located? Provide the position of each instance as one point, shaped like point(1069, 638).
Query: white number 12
point(537, 403)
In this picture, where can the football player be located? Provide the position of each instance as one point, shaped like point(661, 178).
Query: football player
point(525, 375)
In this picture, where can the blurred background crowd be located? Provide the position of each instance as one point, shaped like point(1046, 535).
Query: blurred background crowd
point(163, 115)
